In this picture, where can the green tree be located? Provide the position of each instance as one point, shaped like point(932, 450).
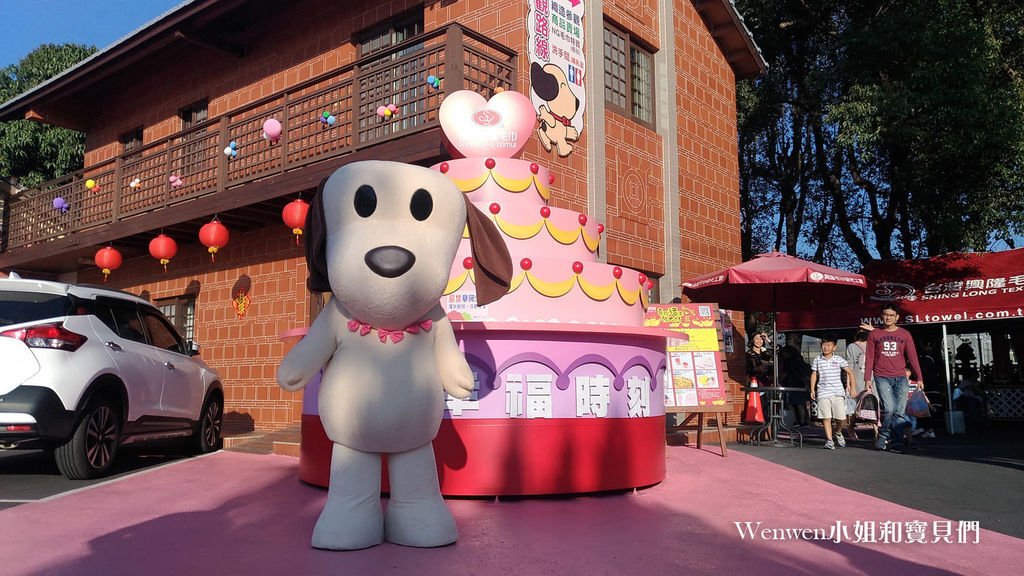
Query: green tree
point(32, 153)
point(909, 117)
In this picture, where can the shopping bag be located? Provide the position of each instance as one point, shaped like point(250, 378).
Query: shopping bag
point(917, 405)
point(851, 406)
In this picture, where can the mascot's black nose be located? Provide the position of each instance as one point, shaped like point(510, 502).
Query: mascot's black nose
point(390, 261)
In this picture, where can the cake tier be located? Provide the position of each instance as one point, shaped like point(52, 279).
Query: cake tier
point(542, 394)
point(488, 180)
point(553, 290)
point(514, 194)
point(531, 232)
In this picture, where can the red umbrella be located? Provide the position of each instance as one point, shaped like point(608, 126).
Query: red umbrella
point(776, 282)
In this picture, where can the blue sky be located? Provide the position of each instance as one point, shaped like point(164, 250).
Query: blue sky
point(29, 23)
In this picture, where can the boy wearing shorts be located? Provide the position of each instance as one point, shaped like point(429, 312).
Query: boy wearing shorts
point(828, 389)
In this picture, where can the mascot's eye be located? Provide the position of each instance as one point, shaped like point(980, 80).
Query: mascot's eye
point(366, 201)
point(422, 204)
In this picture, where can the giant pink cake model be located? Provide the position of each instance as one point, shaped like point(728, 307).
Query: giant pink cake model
point(569, 394)
point(554, 253)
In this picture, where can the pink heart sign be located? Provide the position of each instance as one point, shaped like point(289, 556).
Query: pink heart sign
point(478, 128)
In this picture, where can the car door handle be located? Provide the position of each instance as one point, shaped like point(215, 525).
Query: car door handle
point(114, 346)
point(169, 365)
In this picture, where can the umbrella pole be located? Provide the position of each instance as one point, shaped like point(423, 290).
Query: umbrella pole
point(775, 352)
point(775, 402)
point(775, 339)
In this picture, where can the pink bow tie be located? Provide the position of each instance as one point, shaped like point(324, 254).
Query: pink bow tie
point(395, 336)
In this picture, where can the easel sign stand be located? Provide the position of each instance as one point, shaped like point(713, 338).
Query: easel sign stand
point(693, 379)
point(699, 412)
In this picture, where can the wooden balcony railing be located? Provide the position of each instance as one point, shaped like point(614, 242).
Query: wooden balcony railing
point(461, 58)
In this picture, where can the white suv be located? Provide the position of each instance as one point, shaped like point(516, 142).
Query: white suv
point(84, 370)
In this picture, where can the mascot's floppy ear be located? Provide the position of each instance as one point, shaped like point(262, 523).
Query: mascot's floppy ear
point(316, 244)
point(491, 262)
point(544, 84)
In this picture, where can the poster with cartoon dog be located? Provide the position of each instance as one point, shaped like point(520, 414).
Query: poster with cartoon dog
point(557, 69)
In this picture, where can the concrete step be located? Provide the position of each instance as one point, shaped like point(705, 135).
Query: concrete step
point(257, 442)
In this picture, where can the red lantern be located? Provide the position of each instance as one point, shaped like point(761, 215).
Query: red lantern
point(294, 216)
point(163, 248)
point(214, 236)
point(108, 259)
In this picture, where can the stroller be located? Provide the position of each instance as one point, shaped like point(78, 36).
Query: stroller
point(868, 411)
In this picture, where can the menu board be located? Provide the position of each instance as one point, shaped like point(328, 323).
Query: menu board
point(693, 378)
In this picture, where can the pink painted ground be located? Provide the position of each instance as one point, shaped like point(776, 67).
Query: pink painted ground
point(233, 513)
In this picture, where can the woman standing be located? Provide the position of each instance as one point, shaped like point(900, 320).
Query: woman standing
point(759, 361)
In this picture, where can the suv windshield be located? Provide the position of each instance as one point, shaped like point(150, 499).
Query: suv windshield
point(18, 307)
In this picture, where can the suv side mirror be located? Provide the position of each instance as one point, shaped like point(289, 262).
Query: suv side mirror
point(193, 348)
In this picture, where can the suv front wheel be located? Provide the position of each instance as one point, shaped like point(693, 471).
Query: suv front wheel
point(208, 435)
point(90, 451)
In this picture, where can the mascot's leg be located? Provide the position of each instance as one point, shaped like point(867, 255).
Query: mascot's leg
point(563, 148)
point(352, 518)
point(543, 137)
point(416, 514)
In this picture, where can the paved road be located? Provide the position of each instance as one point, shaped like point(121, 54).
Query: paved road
point(977, 476)
point(30, 475)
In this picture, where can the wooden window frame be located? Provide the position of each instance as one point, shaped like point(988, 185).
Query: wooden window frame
point(390, 27)
point(132, 140)
point(188, 114)
point(631, 47)
point(181, 321)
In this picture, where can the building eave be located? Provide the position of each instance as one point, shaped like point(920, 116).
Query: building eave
point(89, 73)
point(733, 37)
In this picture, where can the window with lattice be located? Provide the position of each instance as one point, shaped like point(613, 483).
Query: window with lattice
point(628, 75)
point(181, 312)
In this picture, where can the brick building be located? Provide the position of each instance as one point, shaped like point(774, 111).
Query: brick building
point(655, 161)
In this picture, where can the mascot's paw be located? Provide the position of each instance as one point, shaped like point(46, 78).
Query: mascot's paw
point(349, 528)
point(423, 524)
point(289, 379)
point(456, 375)
point(460, 388)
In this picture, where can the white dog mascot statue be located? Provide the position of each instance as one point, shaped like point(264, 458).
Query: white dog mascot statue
point(381, 238)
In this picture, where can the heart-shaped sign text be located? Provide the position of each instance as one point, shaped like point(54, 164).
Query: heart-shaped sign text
point(478, 128)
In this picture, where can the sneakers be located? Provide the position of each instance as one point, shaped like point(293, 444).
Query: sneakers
point(918, 432)
point(841, 441)
point(928, 434)
point(829, 445)
point(880, 442)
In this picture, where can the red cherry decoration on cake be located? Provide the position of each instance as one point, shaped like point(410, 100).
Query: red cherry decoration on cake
point(551, 178)
point(467, 263)
point(534, 168)
point(649, 285)
point(583, 219)
point(577, 267)
point(494, 208)
point(490, 163)
point(526, 263)
point(443, 167)
point(600, 228)
point(617, 272)
point(545, 211)
point(642, 278)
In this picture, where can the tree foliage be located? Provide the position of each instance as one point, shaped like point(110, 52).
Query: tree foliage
point(32, 153)
point(884, 128)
